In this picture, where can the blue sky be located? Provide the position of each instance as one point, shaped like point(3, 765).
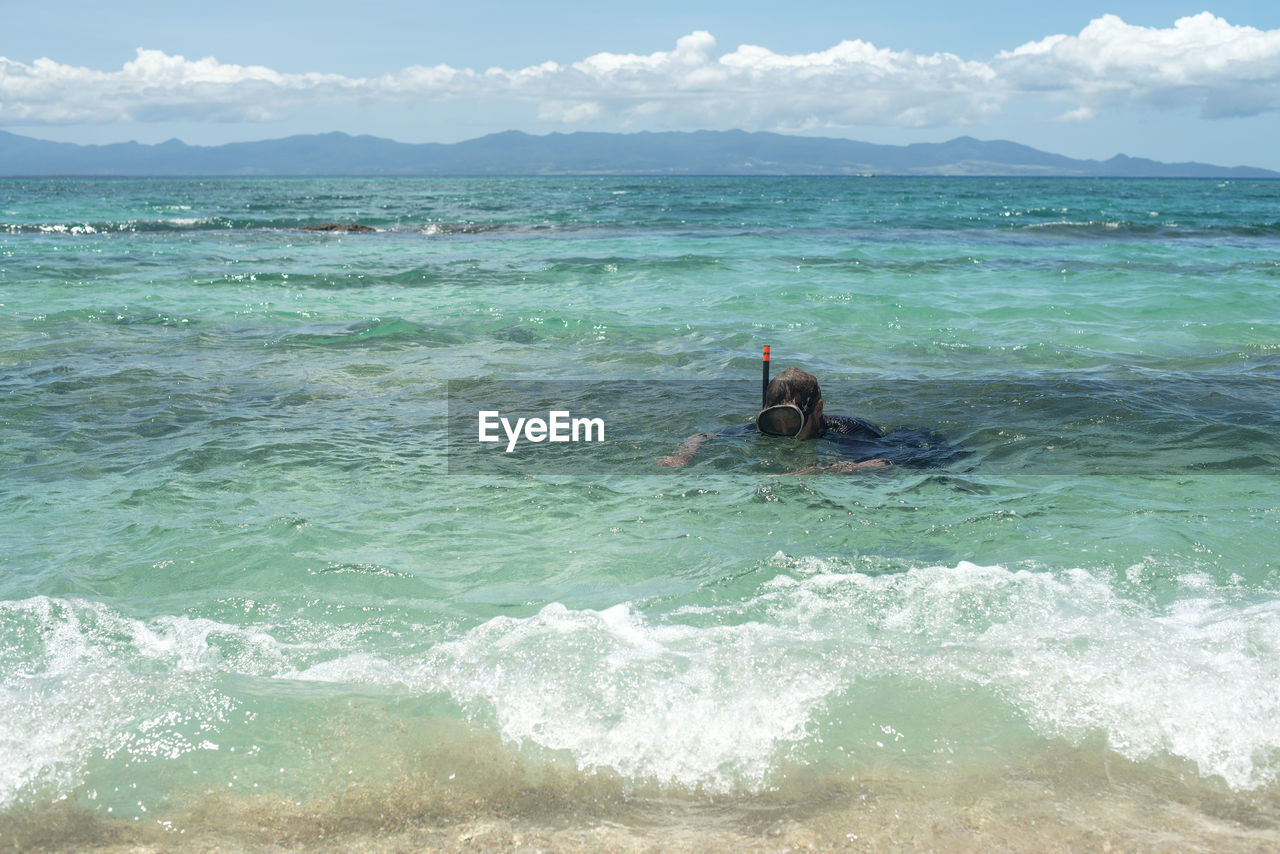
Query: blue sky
point(1170, 80)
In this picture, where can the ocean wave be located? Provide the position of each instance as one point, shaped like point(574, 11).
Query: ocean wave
point(224, 222)
point(697, 706)
point(83, 680)
point(388, 332)
point(1160, 230)
point(131, 226)
point(711, 706)
point(711, 696)
point(121, 316)
point(1083, 229)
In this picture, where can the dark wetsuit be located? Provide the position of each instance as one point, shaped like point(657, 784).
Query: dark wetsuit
point(856, 439)
point(835, 426)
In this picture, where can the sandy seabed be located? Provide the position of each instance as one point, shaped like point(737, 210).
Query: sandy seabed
point(1073, 802)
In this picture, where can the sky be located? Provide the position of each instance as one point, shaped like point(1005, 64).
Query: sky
point(1173, 81)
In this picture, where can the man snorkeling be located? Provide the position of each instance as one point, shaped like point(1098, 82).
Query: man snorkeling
point(793, 408)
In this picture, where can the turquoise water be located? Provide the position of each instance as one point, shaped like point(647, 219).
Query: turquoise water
point(236, 567)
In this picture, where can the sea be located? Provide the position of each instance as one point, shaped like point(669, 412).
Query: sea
point(263, 586)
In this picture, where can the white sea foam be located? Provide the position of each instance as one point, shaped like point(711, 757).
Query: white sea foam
point(79, 678)
point(353, 669)
point(697, 706)
point(709, 695)
point(1195, 679)
point(712, 706)
point(61, 228)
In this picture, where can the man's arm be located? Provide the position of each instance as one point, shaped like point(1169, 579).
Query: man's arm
point(685, 452)
point(839, 467)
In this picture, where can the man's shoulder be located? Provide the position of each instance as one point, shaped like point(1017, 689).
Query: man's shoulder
point(846, 425)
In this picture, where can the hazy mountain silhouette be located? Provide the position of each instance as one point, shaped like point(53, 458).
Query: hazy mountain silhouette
point(517, 153)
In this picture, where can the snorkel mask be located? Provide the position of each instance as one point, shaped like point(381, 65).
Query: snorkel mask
point(785, 419)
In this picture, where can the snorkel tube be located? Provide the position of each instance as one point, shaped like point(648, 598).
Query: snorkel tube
point(764, 387)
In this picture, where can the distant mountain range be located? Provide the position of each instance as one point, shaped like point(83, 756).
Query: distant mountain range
point(516, 153)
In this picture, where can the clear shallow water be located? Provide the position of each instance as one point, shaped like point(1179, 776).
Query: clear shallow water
point(236, 568)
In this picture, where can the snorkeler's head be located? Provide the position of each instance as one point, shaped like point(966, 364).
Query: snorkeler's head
point(792, 406)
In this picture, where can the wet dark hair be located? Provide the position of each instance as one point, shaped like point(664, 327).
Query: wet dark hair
point(796, 387)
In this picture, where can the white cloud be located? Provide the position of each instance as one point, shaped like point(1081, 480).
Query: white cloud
point(1201, 61)
point(573, 112)
point(153, 86)
point(1079, 114)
